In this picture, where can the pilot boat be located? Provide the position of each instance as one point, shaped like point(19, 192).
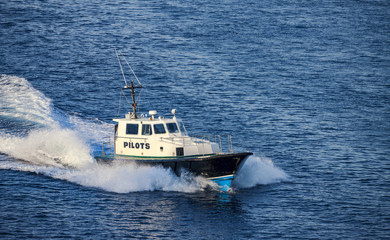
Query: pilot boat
point(155, 140)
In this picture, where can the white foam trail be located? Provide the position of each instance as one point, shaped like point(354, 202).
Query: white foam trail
point(119, 178)
point(130, 177)
point(20, 100)
point(55, 147)
point(92, 131)
point(259, 171)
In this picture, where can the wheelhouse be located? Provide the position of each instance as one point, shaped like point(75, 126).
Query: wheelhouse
point(157, 138)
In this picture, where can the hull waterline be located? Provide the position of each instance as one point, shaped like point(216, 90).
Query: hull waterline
point(220, 168)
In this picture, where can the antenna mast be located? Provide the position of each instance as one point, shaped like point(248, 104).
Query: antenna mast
point(131, 86)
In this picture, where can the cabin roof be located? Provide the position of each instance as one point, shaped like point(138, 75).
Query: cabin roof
point(146, 120)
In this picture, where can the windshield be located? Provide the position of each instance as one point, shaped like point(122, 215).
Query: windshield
point(146, 129)
point(172, 128)
point(159, 128)
point(182, 128)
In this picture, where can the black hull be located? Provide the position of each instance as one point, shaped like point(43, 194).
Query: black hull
point(207, 166)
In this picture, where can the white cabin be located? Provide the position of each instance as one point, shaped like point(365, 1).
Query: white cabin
point(157, 137)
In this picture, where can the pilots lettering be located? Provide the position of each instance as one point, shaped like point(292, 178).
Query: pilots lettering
point(136, 145)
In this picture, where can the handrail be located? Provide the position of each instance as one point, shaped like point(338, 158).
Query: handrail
point(109, 145)
point(104, 147)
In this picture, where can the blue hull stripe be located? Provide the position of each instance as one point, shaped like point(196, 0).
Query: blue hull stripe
point(224, 182)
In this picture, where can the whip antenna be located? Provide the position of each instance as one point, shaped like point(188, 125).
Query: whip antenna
point(131, 70)
point(120, 65)
point(130, 87)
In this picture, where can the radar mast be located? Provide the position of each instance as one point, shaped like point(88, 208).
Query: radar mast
point(134, 105)
point(132, 86)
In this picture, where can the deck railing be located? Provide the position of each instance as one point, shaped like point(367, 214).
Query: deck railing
point(107, 146)
point(223, 141)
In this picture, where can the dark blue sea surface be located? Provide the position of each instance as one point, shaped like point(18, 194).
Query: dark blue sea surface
point(303, 85)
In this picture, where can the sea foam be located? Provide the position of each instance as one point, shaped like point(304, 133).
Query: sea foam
point(259, 171)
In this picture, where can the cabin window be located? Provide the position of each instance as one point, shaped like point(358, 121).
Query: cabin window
point(146, 129)
point(132, 129)
point(159, 128)
point(172, 128)
point(180, 151)
point(182, 128)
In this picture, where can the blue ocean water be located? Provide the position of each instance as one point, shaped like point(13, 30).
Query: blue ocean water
point(303, 85)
